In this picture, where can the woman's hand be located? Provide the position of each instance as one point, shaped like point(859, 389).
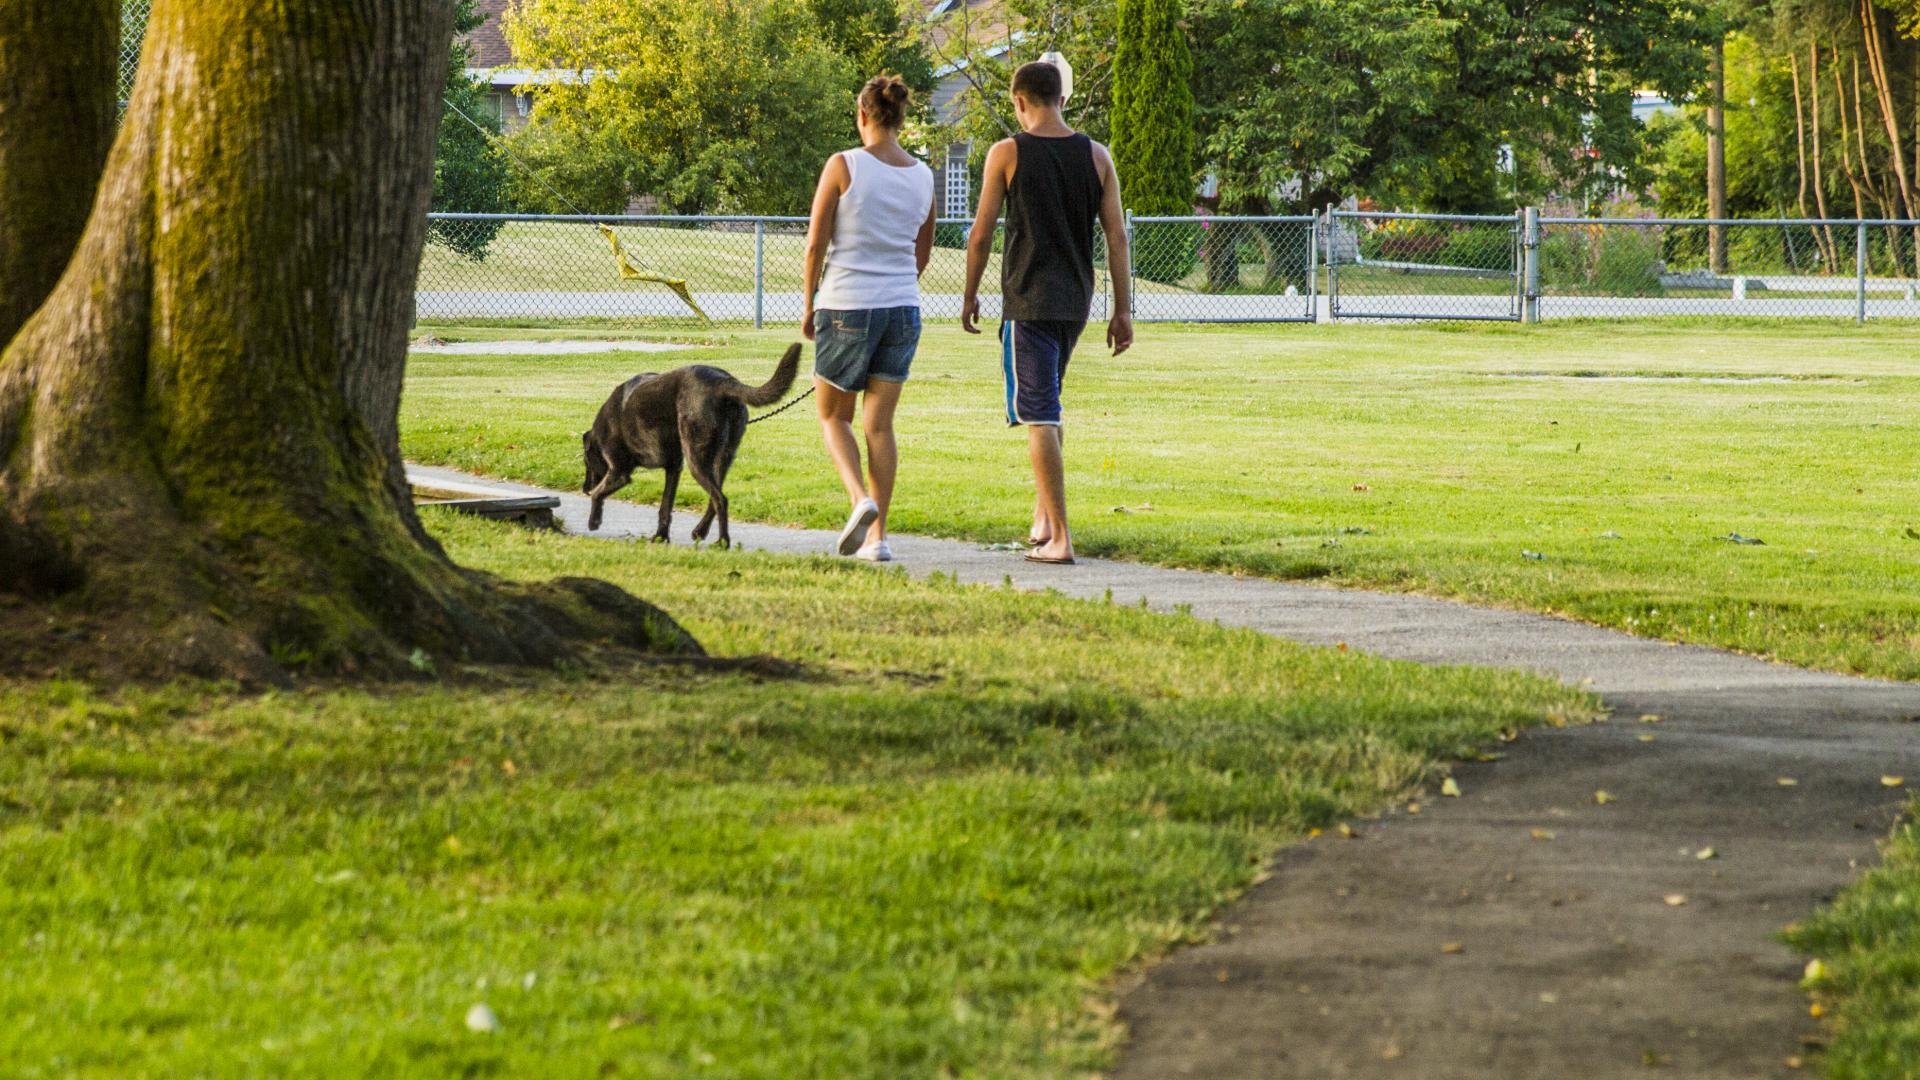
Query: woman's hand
point(806, 323)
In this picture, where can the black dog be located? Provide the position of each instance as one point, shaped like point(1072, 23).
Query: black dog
point(693, 415)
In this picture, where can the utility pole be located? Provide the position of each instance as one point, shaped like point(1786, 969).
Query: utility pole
point(1717, 155)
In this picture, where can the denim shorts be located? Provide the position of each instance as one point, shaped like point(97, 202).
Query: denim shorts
point(850, 347)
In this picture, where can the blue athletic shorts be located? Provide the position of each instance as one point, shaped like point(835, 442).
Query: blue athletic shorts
point(850, 347)
point(1033, 356)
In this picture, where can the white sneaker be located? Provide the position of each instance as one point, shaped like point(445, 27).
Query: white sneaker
point(862, 517)
point(878, 551)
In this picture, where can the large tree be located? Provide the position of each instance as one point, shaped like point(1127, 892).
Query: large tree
point(708, 105)
point(199, 452)
point(470, 174)
point(1153, 107)
point(1425, 103)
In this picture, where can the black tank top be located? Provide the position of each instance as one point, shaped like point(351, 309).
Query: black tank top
point(1046, 271)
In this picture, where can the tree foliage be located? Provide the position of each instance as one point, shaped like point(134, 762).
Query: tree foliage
point(709, 105)
point(1823, 120)
point(1086, 32)
point(1153, 107)
point(1450, 105)
point(470, 174)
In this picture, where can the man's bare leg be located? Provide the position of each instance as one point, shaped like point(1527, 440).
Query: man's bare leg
point(1040, 532)
point(1050, 488)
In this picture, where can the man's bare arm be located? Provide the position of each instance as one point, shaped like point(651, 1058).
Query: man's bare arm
point(993, 191)
point(1113, 221)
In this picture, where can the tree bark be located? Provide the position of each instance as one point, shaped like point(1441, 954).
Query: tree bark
point(61, 118)
point(1883, 97)
point(1717, 156)
point(199, 445)
point(1830, 251)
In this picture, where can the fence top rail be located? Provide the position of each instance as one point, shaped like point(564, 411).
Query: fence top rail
point(1243, 219)
point(1728, 221)
point(624, 219)
point(1505, 219)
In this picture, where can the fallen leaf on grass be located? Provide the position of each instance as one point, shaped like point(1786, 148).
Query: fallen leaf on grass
point(1786, 781)
point(1540, 834)
point(1453, 948)
point(1361, 487)
point(1347, 831)
point(1648, 737)
point(1675, 899)
point(1649, 718)
point(1892, 781)
point(1816, 972)
point(507, 766)
point(1795, 1061)
point(1450, 788)
point(1413, 808)
point(1603, 797)
point(1706, 853)
point(480, 1019)
point(1816, 1009)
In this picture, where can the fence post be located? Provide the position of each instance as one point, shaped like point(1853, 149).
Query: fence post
point(1530, 264)
point(1313, 268)
point(1133, 281)
point(1323, 233)
point(1860, 272)
point(759, 273)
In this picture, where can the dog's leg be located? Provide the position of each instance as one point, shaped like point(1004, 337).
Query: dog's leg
point(611, 483)
point(664, 534)
point(700, 463)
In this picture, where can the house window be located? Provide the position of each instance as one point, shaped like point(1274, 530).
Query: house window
point(959, 199)
point(523, 103)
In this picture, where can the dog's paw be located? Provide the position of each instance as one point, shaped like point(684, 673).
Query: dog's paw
point(723, 544)
point(661, 538)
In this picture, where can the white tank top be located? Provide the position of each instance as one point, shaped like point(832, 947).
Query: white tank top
point(870, 260)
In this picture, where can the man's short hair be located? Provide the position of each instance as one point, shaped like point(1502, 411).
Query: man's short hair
point(1038, 82)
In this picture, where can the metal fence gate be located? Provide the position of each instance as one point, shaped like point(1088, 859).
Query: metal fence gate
point(1423, 266)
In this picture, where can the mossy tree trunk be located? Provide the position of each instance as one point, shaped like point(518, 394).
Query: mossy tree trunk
point(59, 123)
point(199, 447)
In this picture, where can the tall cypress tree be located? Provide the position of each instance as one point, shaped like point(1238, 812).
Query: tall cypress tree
point(1153, 107)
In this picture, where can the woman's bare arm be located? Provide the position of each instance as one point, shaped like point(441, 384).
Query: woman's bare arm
point(834, 181)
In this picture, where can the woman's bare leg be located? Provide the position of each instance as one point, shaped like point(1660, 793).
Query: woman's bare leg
point(836, 427)
point(883, 457)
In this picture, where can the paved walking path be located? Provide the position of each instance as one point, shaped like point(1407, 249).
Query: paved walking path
point(1570, 962)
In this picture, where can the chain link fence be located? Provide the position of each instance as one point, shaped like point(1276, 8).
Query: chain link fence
point(528, 268)
point(1422, 266)
point(1223, 269)
point(1787, 268)
point(1340, 265)
point(133, 32)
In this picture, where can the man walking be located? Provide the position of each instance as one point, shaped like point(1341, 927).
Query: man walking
point(1054, 181)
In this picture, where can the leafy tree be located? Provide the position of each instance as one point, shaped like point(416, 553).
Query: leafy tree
point(470, 175)
point(1153, 107)
point(875, 36)
point(1303, 102)
point(709, 105)
point(200, 463)
point(1084, 31)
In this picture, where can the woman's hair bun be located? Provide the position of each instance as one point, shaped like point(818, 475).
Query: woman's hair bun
point(884, 99)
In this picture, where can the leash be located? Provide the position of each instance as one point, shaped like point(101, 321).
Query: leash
point(790, 404)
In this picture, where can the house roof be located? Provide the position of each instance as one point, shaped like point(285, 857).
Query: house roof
point(986, 21)
point(489, 44)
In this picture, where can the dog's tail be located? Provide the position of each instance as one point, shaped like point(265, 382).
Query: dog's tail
point(773, 389)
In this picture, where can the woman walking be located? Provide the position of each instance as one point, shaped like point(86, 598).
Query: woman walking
point(869, 239)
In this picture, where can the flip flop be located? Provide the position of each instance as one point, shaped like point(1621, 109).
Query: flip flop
point(1031, 557)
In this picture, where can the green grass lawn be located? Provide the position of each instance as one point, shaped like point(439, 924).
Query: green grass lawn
point(927, 858)
point(1426, 458)
point(1869, 944)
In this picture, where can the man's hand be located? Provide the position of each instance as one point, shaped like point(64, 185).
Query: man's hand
point(970, 314)
point(806, 324)
point(1120, 332)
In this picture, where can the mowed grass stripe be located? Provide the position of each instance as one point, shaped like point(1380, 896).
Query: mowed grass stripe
point(1397, 457)
point(929, 857)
